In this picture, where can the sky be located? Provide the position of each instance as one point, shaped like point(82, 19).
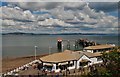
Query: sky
point(59, 17)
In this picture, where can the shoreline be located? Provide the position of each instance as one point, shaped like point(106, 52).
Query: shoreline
point(9, 64)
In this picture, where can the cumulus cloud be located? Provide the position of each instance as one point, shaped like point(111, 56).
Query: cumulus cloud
point(104, 6)
point(15, 13)
point(54, 22)
point(98, 6)
point(35, 5)
point(43, 17)
point(60, 13)
point(56, 18)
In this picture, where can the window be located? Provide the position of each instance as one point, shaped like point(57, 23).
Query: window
point(94, 50)
point(99, 58)
point(57, 66)
point(71, 63)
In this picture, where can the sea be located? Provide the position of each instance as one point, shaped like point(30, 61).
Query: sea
point(24, 45)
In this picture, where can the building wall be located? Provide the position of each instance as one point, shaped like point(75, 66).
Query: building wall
point(54, 67)
point(77, 64)
point(72, 67)
point(89, 51)
point(83, 57)
point(94, 60)
point(58, 70)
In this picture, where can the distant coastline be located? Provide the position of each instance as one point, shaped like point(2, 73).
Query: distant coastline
point(21, 33)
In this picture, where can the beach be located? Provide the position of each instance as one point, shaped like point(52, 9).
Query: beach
point(9, 64)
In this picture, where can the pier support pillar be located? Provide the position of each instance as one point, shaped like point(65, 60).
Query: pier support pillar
point(59, 45)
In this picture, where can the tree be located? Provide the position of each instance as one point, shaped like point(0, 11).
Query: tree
point(112, 62)
point(111, 65)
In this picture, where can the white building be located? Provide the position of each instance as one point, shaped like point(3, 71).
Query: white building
point(69, 60)
point(99, 48)
point(93, 57)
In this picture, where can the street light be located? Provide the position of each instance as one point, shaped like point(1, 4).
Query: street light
point(62, 47)
point(74, 46)
point(50, 50)
point(35, 51)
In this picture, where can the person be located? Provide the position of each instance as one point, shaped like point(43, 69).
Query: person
point(79, 69)
point(29, 75)
point(74, 71)
point(57, 75)
point(39, 66)
point(38, 73)
point(83, 70)
point(68, 70)
point(45, 73)
point(63, 74)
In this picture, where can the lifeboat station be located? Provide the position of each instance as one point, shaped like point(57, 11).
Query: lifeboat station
point(69, 59)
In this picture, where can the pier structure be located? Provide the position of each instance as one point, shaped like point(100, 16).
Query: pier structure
point(86, 43)
point(61, 43)
point(77, 43)
point(68, 44)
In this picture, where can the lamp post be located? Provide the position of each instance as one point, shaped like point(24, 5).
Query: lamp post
point(68, 45)
point(75, 62)
point(74, 46)
point(50, 50)
point(35, 51)
point(62, 47)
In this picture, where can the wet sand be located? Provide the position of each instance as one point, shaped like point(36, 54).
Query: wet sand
point(9, 64)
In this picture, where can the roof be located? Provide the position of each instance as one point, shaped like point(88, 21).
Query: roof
point(89, 54)
point(67, 55)
point(99, 47)
point(60, 57)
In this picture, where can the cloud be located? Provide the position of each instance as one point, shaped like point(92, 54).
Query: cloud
point(98, 6)
point(54, 23)
point(104, 6)
point(48, 5)
point(16, 14)
point(35, 5)
point(74, 5)
point(8, 23)
point(60, 13)
point(43, 17)
point(57, 18)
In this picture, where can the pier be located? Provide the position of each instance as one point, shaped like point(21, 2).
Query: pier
point(77, 43)
point(86, 43)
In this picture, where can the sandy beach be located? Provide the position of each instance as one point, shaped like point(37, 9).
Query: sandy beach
point(12, 63)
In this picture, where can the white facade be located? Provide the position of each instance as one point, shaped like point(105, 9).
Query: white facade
point(72, 67)
point(94, 60)
point(89, 51)
point(58, 70)
point(99, 48)
point(83, 57)
point(76, 64)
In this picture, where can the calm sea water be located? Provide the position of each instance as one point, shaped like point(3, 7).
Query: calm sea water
point(23, 45)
